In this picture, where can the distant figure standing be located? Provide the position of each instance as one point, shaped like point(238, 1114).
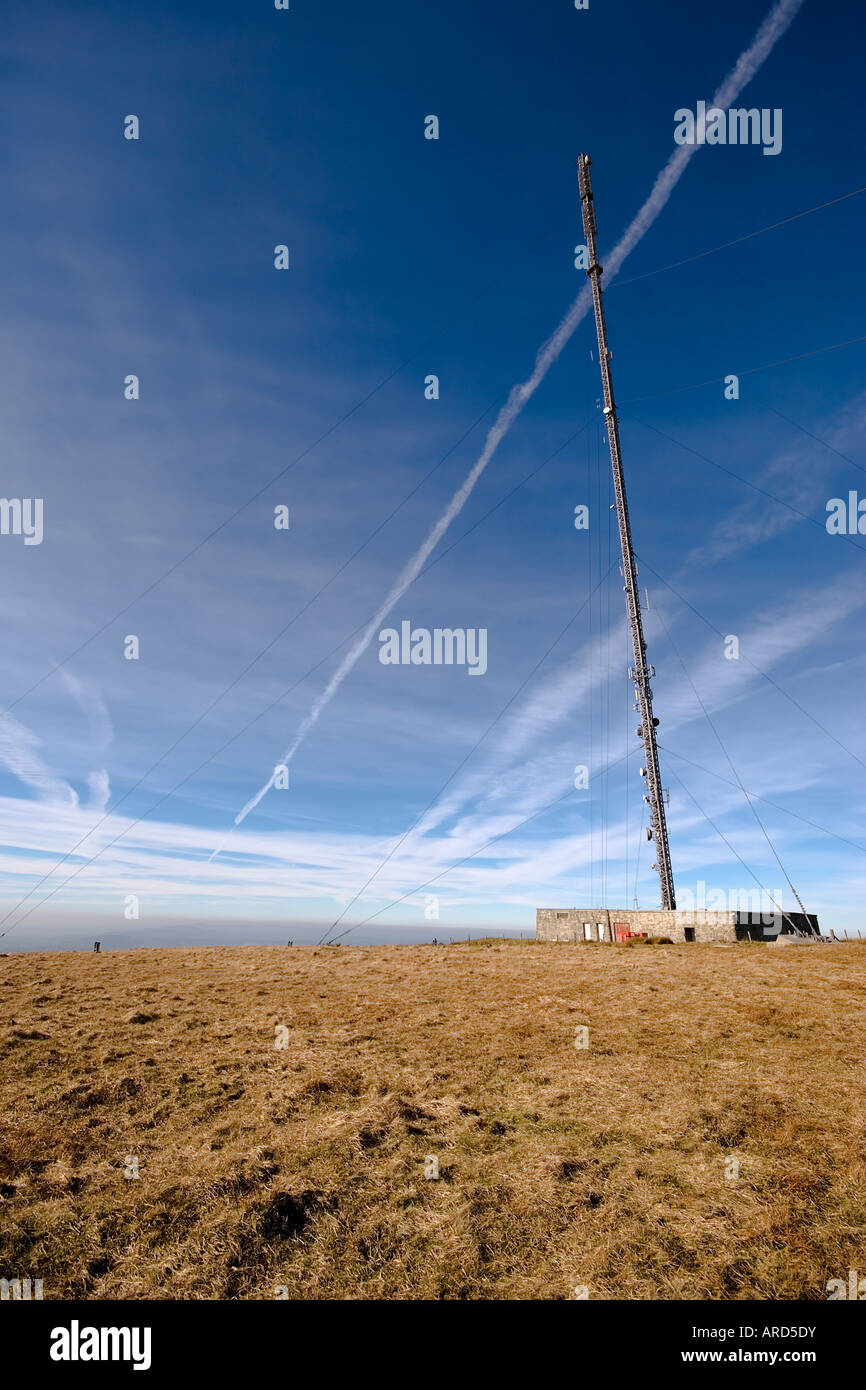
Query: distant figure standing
point(96, 945)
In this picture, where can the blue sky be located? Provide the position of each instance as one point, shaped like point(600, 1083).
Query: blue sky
point(409, 257)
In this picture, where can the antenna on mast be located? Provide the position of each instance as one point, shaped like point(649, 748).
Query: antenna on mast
point(640, 673)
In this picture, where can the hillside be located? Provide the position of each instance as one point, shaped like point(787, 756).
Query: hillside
point(302, 1166)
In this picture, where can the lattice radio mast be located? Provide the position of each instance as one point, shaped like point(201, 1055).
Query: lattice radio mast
point(640, 673)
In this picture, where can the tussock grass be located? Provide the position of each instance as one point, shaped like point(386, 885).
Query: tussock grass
point(304, 1166)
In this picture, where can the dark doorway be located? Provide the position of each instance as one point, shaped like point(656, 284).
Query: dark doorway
point(690, 933)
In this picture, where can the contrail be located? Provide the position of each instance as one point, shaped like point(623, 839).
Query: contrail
point(747, 65)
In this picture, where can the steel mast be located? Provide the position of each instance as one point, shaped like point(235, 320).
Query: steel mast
point(640, 673)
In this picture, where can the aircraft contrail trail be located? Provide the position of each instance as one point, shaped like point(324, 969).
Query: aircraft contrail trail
point(771, 30)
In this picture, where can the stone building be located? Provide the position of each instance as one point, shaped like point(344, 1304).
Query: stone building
point(695, 924)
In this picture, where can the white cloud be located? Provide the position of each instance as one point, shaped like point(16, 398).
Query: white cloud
point(18, 752)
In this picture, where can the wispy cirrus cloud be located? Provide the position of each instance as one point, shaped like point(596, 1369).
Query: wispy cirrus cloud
point(800, 474)
point(778, 632)
point(91, 702)
point(19, 752)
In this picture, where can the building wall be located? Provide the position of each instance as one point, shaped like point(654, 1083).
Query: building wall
point(558, 924)
point(778, 926)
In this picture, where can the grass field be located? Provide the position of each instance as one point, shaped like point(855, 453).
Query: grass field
point(282, 1105)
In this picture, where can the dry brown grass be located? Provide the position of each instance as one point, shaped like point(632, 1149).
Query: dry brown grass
point(304, 1167)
